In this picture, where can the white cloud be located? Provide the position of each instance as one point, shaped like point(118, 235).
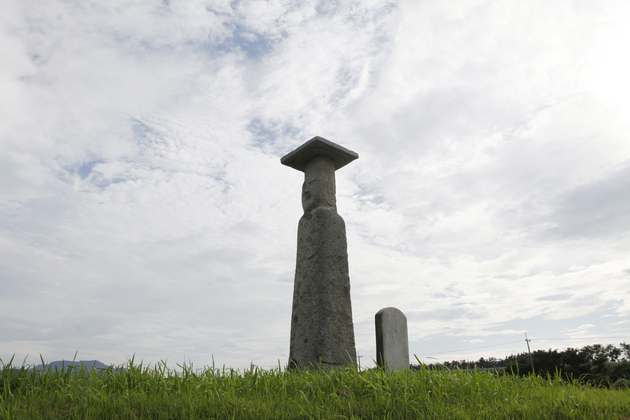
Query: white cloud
point(144, 209)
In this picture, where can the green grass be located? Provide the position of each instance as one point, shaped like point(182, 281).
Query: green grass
point(145, 392)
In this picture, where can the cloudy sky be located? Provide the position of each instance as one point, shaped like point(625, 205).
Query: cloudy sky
point(144, 209)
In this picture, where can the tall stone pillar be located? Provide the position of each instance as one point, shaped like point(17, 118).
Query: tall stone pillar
point(322, 332)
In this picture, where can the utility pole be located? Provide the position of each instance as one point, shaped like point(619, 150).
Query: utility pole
point(531, 359)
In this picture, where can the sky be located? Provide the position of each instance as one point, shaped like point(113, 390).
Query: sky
point(144, 211)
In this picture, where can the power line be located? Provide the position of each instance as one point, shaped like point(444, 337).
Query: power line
point(512, 342)
point(577, 338)
point(472, 348)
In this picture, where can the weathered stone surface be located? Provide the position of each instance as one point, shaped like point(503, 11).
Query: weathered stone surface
point(322, 332)
point(318, 146)
point(392, 342)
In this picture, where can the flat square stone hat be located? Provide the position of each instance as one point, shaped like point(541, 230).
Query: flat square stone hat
point(319, 146)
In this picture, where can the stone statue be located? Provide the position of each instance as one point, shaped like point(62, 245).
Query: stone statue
point(322, 332)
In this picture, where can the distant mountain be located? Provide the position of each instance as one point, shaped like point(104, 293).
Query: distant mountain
point(67, 364)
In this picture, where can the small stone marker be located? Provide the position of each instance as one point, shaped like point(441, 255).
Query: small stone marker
point(392, 342)
point(322, 332)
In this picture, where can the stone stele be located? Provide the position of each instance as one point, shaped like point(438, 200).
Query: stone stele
point(322, 332)
point(392, 342)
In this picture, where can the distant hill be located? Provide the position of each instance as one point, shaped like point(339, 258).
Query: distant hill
point(67, 364)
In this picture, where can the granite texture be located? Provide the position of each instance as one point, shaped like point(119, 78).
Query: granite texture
point(322, 331)
point(318, 146)
point(392, 342)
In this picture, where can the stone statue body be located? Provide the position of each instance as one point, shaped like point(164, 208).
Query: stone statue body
point(322, 332)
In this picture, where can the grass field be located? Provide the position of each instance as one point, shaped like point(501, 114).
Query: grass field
point(156, 392)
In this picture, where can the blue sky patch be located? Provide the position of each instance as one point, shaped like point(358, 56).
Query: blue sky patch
point(253, 44)
point(85, 169)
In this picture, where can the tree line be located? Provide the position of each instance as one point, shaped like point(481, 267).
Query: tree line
point(599, 364)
